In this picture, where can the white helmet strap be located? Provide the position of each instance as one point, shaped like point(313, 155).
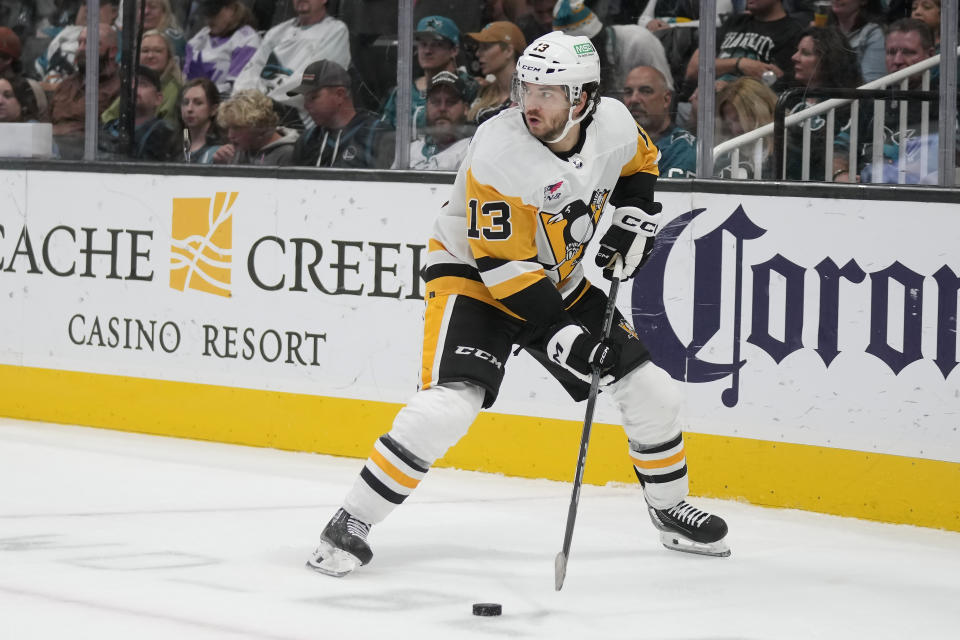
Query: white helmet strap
point(570, 119)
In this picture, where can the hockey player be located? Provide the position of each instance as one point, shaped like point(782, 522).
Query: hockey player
point(503, 268)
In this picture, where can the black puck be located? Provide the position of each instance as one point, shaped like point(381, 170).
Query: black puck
point(487, 609)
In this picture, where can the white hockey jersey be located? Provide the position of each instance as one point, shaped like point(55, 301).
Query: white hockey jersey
point(519, 214)
point(287, 49)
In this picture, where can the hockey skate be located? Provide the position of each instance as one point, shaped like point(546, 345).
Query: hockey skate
point(688, 529)
point(343, 546)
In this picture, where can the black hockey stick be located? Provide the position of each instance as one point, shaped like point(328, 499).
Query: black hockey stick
point(560, 563)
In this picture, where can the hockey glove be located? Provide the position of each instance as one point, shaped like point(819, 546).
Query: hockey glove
point(573, 348)
point(630, 236)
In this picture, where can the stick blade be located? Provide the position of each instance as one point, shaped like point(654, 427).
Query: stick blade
point(559, 570)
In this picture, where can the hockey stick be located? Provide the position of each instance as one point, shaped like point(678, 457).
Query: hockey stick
point(560, 563)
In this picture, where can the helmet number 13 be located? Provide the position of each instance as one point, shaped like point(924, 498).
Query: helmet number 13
point(492, 221)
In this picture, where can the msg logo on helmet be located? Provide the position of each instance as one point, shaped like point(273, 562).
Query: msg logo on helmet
point(583, 49)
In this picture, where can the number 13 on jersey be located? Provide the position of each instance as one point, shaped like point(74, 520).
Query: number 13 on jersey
point(492, 220)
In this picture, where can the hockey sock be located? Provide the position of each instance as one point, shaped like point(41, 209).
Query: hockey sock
point(662, 470)
point(432, 422)
point(390, 474)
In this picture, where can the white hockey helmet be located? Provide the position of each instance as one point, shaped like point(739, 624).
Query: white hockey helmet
point(560, 59)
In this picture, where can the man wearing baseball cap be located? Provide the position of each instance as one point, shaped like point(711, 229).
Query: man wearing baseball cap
point(437, 41)
point(152, 136)
point(498, 45)
point(444, 142)
point(288, 48)
point(342, 135)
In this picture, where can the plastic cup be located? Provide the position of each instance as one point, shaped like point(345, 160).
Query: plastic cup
point(820, 12)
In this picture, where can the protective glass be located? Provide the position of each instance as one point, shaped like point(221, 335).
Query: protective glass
point(551, 97)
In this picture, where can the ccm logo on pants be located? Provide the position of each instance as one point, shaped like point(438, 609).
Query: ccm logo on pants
point(480, 353)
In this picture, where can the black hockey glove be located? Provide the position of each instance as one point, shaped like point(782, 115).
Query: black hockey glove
point(573, 348)
point(630, 236)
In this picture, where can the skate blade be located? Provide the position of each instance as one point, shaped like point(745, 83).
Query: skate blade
point(674, 542)
point(331, 561)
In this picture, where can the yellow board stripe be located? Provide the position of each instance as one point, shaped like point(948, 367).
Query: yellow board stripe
point(388, 468)
point(658, 464)
point(874, 486)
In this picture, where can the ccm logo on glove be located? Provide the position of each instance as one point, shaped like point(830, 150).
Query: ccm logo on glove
point(629, 238)
point(645, 226)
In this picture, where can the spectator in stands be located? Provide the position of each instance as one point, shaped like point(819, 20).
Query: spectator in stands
point(896, 9)
point(908, 42)
point(341, 135)
point(18, 102)
point(157, 15)
point(437, 40)
point(504, 10)
point(59, 59)
point(539, 21)
point(199, 101)
point(67, 105)
point(666, 13)
point(223, 48)
point(156, 52)
point(824, 60)
point(253, 132)
point(749, 44)
point(658, 16)
point(288, 48)
point(646, 94)
point(153, 137)
point(859, 21)
point(744, 105)
point(498, 44)
point(9, 52)
point(621, 47)
point(443, 144)
point(928, 11)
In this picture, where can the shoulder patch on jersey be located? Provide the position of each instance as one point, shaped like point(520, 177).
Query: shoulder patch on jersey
point(552, 192)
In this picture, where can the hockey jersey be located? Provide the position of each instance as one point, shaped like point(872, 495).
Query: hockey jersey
point(520, 216)
point(221, 59)
point(277, 66)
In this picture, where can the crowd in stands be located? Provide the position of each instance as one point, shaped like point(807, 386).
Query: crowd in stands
point(312, 82)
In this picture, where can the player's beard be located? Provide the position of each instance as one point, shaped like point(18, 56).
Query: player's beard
point(555, 123)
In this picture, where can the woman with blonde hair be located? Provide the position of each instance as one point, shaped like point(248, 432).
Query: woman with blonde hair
point(251, 125)
point(742, 106)
point(223, 48)
point(158, 15)
point(156, 52)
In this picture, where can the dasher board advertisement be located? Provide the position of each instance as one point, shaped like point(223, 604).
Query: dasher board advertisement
point(807, 321)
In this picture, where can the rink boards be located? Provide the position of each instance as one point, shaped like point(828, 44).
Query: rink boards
point(817, 337)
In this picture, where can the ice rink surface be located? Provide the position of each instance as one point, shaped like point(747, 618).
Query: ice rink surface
point(108, 535)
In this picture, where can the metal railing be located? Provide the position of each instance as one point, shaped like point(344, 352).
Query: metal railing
point(851, 96)
point(754, 139)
